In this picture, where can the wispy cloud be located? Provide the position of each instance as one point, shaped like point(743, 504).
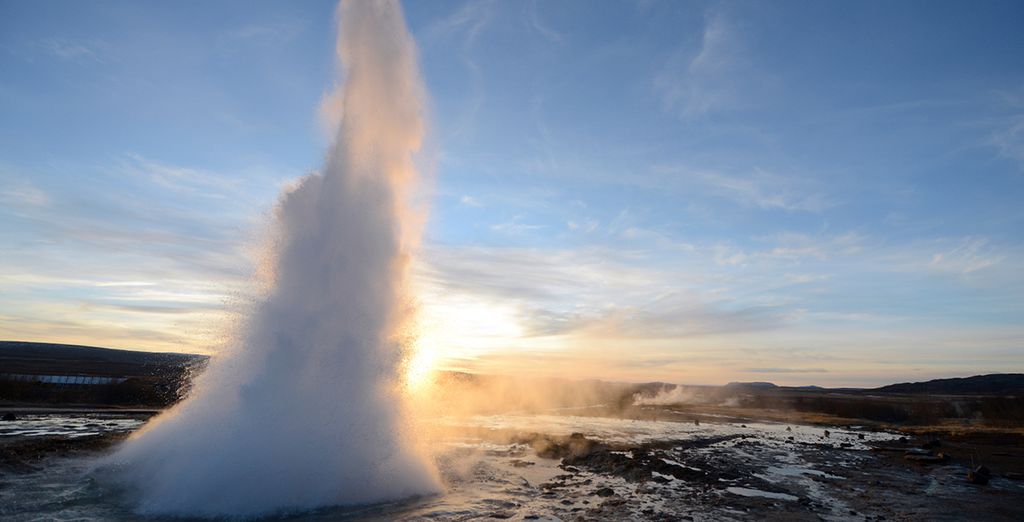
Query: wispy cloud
point(535, 23)
point(515, 226)
point(764, 190)
point(268, 35)
point(467, 22)
point(1008, 134)
point(754, 188)
point(469, 201)
point(694, 83)
point(470, 18)
point(134, 259)
point(1009, 140)
point(966, 256)
point(785, 370)
point(82, 52)
point(24, 193)
point(586, 226)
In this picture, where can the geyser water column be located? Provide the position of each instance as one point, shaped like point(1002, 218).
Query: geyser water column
point(305, 410)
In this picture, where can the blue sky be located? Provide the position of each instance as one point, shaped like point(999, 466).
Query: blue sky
point(801, 192)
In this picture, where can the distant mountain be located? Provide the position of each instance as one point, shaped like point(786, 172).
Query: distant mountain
point(992, 384)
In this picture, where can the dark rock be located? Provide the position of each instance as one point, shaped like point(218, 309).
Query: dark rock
point(605, 492)
point(890, 449)
point(827, 433)
point(9, 417)
point(925, 459)
point(933, 443)
point(979, 475)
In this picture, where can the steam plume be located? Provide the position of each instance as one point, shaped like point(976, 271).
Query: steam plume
point(306, 410)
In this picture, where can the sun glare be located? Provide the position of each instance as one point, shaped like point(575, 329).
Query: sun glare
point(420, 365)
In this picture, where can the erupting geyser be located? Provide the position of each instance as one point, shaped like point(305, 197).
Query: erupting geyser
point(306, 411)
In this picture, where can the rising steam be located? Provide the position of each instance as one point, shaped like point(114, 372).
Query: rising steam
point(306, 410)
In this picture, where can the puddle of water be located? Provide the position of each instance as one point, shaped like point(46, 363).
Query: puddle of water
point(74, 425)
point(748, 492)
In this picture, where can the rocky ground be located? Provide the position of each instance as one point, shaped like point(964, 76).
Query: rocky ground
point(749, 471)
point(627, 469)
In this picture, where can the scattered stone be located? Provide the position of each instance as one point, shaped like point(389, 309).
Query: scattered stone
point(605, 492)
point(9, 417)
point(827, 433)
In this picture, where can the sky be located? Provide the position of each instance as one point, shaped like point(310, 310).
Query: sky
point(699, 192)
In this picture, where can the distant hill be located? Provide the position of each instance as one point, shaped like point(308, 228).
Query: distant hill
point(44, 374)
point(21, 357)
point(992, 384)
point(752, 385)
